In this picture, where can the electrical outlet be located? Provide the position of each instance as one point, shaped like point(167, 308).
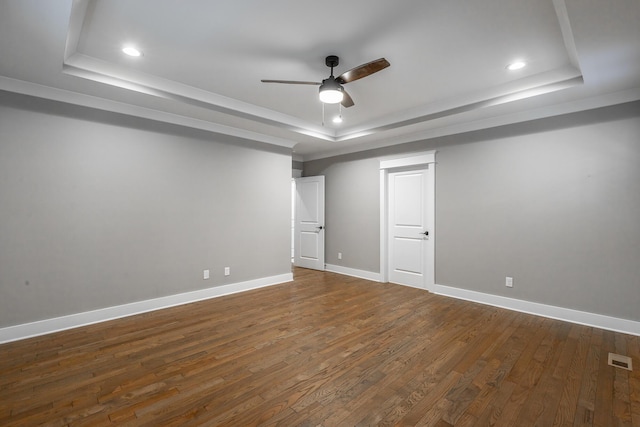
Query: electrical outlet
point(205, 274)
point(509, 282)
point(227, 271)
point(339, 255)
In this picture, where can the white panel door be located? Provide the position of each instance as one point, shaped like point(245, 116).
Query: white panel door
point(309, 223)
point(408, 233)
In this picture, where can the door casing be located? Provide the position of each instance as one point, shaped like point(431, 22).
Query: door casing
point(417, 161)
point(309, 223)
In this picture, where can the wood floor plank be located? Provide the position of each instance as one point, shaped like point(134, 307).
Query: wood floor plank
point(545, 394)
point(323, 350)
point(568, 403)
point(633, 348)
point(603, 408)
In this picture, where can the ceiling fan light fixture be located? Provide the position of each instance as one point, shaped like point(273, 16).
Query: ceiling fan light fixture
point(330, 91)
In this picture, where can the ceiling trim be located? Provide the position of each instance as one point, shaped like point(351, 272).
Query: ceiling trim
point(61, 95)
point(584, 104)
point(567, 33)
point(465, 108)
point(84, 66)
point(89, 68)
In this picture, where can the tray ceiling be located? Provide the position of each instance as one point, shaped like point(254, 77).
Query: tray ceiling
point(203, 61)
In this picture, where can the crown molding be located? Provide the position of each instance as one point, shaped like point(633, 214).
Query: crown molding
point(76, 98)
point(584, 104)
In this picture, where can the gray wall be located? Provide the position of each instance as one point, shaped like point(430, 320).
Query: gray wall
point(352, 210)
point(99, 209)
point(555, 203)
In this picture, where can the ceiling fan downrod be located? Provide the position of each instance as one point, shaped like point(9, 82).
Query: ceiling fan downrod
point(332, 61)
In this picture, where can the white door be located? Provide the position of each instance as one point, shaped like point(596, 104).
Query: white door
point(408, 227)
point(309, 223)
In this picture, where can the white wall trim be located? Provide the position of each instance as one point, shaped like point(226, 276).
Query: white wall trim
point(353, 272)
point(420, 159)
point(383, 226)
point(565, 314)
point(47, 326)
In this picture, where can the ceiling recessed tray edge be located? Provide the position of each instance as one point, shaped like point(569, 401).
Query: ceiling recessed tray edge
point(87, 67)
point(70, 97)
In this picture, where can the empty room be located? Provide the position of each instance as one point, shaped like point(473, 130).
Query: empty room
point(296, 213)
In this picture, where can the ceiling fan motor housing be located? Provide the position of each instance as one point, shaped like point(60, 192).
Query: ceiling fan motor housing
point(332, 61)
point(330, 83)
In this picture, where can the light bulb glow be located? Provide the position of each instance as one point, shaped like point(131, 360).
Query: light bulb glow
point(331, 96)
point(131, 51)
point(337, 119)
point(517, 65)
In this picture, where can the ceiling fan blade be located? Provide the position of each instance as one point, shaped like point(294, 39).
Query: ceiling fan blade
point(291, 82)
point(363, 70)
point(346, 100)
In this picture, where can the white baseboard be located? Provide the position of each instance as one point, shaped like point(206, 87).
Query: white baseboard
point(361, 274)
point(42, 327)
point(566, 314)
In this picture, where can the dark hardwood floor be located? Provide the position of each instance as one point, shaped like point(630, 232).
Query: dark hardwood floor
point(324, 350)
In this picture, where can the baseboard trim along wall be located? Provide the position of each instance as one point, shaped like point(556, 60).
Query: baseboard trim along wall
point(361, 274)
point(43, 327)
point(47, 326)
point(566, 314)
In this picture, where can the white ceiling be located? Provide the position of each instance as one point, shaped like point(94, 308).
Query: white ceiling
point(203, 62)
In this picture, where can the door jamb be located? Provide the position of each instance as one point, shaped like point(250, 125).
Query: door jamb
point(426, 158)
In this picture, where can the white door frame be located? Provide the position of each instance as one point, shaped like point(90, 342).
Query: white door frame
point(314, 228)
point(426, 158)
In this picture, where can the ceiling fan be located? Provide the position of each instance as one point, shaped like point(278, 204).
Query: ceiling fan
point(331, 90)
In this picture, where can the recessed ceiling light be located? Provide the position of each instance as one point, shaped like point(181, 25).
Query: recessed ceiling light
point(516, 65)
point(131, 51)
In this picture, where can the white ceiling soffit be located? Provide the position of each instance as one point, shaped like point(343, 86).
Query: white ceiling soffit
point(203, 62)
